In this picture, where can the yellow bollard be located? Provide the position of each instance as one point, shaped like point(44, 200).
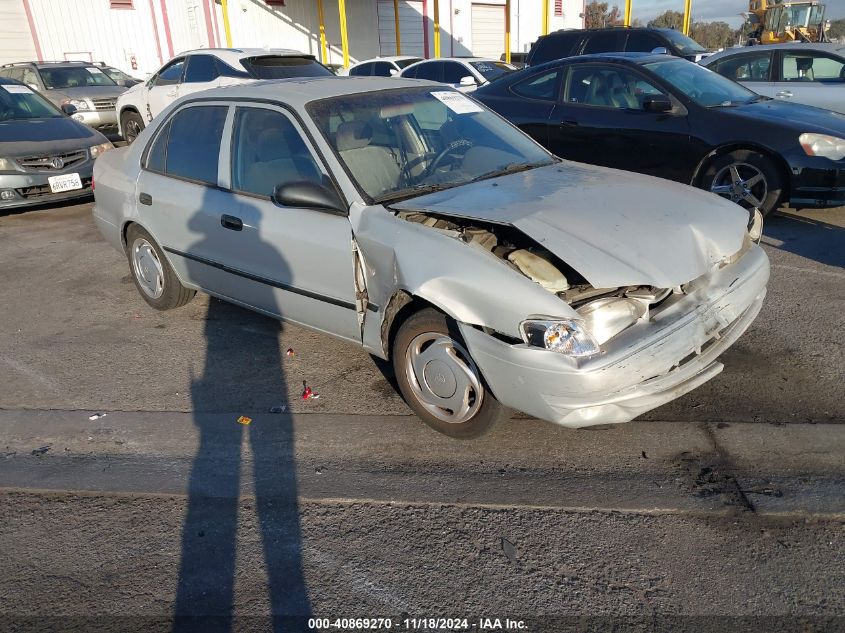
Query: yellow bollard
point(344, 38)
point(508, 31)
point(545, 17)
point(436, 28)
point(396, 25)
point(323, 48)
point(627, 20)
point(225, 5)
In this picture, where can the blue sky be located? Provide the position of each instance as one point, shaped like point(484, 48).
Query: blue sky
point(711, 10)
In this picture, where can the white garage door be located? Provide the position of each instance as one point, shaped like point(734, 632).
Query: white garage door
point(410, 28)
point(15, 38)
point(488, 30)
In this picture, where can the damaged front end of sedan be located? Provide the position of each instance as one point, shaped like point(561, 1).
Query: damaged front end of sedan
point(573, 325)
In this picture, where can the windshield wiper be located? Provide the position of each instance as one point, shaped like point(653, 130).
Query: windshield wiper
point(417, 190)
point(510, 168)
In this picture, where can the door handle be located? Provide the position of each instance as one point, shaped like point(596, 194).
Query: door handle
point(569, 123)
point(231, 222)
point(145, 198)
point(784, 93)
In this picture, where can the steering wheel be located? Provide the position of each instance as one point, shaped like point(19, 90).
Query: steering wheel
point(406, 170)
point(454, 151)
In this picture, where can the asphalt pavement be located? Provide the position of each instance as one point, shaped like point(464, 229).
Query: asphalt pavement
point(724, 504)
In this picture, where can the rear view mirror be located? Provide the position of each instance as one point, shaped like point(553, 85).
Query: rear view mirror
point(308, 195)
point(69, 109)
point(657, 103)
point(468, 81)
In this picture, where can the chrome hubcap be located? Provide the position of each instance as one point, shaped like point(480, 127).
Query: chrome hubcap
point(443, 377)
point(147, 268)
point(741, 183)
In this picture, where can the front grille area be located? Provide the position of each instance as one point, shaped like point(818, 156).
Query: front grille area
point(104, 104)
point(43, 191)
point(48, 163)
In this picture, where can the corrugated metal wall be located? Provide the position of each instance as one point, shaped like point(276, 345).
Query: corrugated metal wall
point(16, 43)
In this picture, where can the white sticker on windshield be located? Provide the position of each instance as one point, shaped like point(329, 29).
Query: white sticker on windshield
point(15, 90)
point(457, 102)
point(94, 71)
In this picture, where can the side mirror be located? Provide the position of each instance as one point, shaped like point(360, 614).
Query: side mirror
point(69, 109)
point(393, 72)
point(308, 195)
point(33, 86)
point(657, 103)
point(468, 81)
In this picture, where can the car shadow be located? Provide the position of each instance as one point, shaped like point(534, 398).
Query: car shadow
point(812, 239)
point(46, 206)
point(219, 476)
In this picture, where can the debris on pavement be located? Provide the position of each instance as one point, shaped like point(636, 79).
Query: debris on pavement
point(96, 416)
point(280, 409)
point(41, 450)
point(244, 420)
point(308, 393)
point(644, 455)
point(290, 352)
point(509, 549)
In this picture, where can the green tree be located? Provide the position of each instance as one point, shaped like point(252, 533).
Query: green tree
point(837, 29)
point(668, 20)
point(598, 15)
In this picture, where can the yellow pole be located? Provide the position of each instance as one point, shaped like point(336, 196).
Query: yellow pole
point(344, 38)
point(508, 31)
point(225, 5)
point(627, 21)
point(396, 26)
point(436, 28)
point(687, 9)
point(545, 17)
point(323, 48)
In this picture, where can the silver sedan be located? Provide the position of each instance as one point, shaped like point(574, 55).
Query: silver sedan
point(406, 217)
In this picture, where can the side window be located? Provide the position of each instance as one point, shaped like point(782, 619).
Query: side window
point(191, 155)
point(157, 156)
point(362, 70)
point(15, 73)
point(542, 86)
point(382, 69)
point(267, 151)
point(30, 77)
point(609, 87)
point(604, 42)
point(809, 66)
point(171, 74)
point(201, 69)
point(751, 67)
point(642, 42)
point(552, 47)
point(453, 72)
point(224, 70)
point(411, 73)
point(430, 71)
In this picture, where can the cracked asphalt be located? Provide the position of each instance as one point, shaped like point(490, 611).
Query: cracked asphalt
point(720, 511)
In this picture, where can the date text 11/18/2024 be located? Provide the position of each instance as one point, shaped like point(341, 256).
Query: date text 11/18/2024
point(416, 624)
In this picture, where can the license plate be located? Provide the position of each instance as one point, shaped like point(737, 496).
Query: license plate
point(66, 182)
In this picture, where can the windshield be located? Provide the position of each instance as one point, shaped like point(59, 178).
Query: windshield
point(402, 63)
point(272, 67)
point(74, 77)
point(686, 45)
point(492, 70)
point(19, 102)
point(705, 87)
point(400, 143)
point(117, 75)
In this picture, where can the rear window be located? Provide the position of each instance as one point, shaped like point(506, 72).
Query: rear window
point(274, 67)
point(552, 47)
point(403, 63)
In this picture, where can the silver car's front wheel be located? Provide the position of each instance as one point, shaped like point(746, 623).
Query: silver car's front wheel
point(439, 379)
point(153, 276)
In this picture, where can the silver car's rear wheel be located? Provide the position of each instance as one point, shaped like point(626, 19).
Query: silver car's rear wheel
point(147, 268)
point(153, 276)
point(439, 379)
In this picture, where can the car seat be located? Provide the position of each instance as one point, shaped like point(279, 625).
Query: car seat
point(621, 94)
point(375, 167)
point(805, 68)
point(598, 93)
point(274, 165)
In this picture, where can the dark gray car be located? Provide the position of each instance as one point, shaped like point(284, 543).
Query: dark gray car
point(83, 85)
point(45, 155)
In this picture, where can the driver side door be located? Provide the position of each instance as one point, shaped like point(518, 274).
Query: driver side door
point(163, 88)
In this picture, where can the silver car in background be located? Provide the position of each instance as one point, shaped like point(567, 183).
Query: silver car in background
point(407, 218)
point(812, 74)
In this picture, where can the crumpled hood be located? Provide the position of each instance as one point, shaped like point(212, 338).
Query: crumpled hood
point(614, 227)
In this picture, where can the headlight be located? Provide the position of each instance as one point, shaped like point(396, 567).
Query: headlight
point(605, 318)
point(99, 149)
point(755, 226)
point(567, 337)
point(7, 164)
point(831, 147)
point(79, 104)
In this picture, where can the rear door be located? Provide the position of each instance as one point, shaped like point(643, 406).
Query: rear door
point(200, 74)
point(601, 120)
point(811, 77)
point(163, 88)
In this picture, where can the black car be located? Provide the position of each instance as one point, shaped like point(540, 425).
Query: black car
point(562, 44)
point(668, 117)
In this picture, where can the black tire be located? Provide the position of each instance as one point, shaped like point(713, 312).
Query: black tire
point(430, 322)
point(747, 162)
point(173, 294)
point(131, 123)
